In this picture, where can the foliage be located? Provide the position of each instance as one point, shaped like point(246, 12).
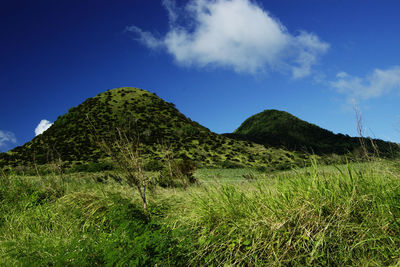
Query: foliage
point(153, 165)
point(91, 167)
point(318, 216)
point(285, 210)
point(227, 164)
point(280, 129)
point(125, 151)
point(177, 173)
point(336, 216)
point(73, 140)
point(83, 229)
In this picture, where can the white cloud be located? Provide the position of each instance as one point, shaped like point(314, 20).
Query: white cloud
point(171, 7)
point(373, 85)
point(235, 34)
point(7, 137)
point(42, 126)
point(145, 37)
point(308, 48)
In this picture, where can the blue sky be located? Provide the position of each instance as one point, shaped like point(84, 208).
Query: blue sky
point(219, 61)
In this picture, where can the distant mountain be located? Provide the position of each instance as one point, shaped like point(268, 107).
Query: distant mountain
point(141, 113)
point(281, 129)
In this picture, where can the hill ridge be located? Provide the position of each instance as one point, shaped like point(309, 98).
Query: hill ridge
point(277, 128)
point(71, 136)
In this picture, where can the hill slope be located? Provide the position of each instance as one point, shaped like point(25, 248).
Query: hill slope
point(72, 135)
point(281, 129)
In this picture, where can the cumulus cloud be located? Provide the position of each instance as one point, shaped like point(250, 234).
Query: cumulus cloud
point(6, 138)
point(373, 85)
point(42, 126)
point(235, 34)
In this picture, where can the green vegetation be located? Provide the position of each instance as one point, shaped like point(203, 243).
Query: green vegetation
point(337, 216)
point(125, 179)
point(74, 137)
point(280, 129)
point(271, 140)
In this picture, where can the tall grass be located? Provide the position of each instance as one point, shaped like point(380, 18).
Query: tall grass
point(346, 215)
point(86, 225)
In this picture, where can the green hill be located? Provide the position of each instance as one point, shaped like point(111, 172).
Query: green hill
point(281, 129)
point(141, 113)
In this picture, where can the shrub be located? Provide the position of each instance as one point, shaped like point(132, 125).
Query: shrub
point(261, 168)
point(153, 165)
point(177, 173)
point(92, 167)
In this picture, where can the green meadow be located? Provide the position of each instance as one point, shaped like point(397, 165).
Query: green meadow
point(319, 215)
point(125, 179)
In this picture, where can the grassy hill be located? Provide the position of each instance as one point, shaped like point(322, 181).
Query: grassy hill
point(342, 215)
point(140, 113)
point(281, 129)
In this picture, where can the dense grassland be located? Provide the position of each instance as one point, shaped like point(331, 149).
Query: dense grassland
point(343, 215)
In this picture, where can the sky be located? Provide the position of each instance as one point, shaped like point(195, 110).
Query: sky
point(219, 61)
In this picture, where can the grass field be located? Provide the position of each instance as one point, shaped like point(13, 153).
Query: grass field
point(321, 215)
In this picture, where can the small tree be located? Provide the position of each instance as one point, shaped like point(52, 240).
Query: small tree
point(174, 170)
point(125, 152)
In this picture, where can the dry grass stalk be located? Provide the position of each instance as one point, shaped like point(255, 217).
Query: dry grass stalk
point(125, 152)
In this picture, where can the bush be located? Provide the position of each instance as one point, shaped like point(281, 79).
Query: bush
point(92, 167)
point(177, 173)
point(261, 168)
point(153, 165)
